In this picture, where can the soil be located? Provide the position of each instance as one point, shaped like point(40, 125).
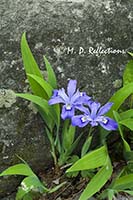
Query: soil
point(71, 190)
point(73, 187)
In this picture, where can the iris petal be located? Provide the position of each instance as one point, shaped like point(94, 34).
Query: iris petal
point(63, 95)
point(82, 109)
point(76, 98)
point(104, 109)
point(55, 93)
point(77, 121)
point(94, 123)
point(67, 114)
point(94, 106)
point(71, 87)
point(55, 100)
point(85, 98)
point(110, 125)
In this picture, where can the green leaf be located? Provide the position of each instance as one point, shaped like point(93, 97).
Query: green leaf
point(68, 137)
point(117, 118)
point(21, 193)
point(32, 183)
point(65, 128)
point(72, 174)
point(74, 144)
point(94, 159)
point(54, 189)
point(28, 185)
point(126, 114)
point(35, 99)
point(73, 159)
point(130, 53)
point(31, 67)
point(128, 123)
point(46, 111)
point(47, 119)
point(128, 192)
point(44, 84)
point(70, 161)
point(86, 146)
point(108, 194)
point(54, 112)
point(98, 181)
point(71, 134)
point(51, 75)
point(19, 169)
point(111, 194)
point(119, 97)
point(88, 173)
point(129, 156)
point(28, 196)
point(30, 64)
point(124, 182)
point(128, 73)
point(54, 109)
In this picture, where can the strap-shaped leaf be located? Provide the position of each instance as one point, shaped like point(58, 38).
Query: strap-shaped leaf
point(30, 64)
point(126, 114)
point(32, 182)
point(130, 53)
point(128, 73)
point(117, 118)
point(128, 192)
point(47, 118)
point(86, 146)
point(108, 193)
point(21, 193)
point(46, 111)
point(19, 169)
point(55, 114)
point(98, 181)
point(28, 196)
point(124, 182)
point(68, 137)
point(129, 156)
point(54, 189)
point(94, 159)
point(35, 99)
point(55, 109)
point(51, 75)
point(44, 84)
point(119, 97)
point(128, 123)
point(75, 143)
point(31, 67)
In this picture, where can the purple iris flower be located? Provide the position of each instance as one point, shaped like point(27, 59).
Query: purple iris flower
point(73, 99)
point(95, 116)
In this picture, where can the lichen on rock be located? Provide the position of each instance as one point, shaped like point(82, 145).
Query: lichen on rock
point(7, 98)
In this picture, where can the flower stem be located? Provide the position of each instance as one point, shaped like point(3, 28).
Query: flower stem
point(53, 151)
point(87, 143)
point(90, 131)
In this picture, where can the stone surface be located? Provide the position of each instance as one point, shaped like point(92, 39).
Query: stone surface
point(70, 33)
point(10, 197)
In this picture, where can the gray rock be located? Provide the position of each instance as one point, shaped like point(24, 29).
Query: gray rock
point(10, 197)
point(73, 34)
point(123, 197)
